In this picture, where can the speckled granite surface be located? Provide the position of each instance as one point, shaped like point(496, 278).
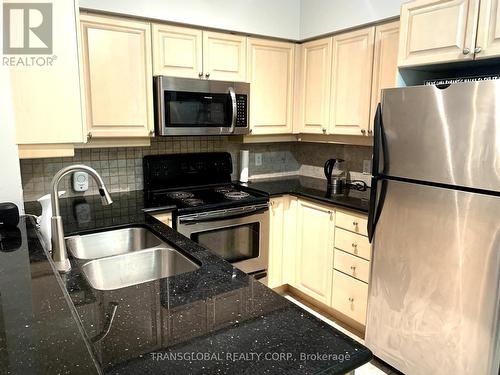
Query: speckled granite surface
point(312, 188)
point(213, 320)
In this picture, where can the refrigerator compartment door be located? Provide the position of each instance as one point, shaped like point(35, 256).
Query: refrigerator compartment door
point(434, 287)
point(350, 296)
point(353, 222)
point(352, 243)
point(449, 135)
point(351, 265)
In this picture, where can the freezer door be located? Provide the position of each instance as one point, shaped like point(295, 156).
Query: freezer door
point(433, 303)
point(449, 135)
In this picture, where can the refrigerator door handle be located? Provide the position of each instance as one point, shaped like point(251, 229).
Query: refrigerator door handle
point(373, 205)
point(376, 205)
point(379, 145)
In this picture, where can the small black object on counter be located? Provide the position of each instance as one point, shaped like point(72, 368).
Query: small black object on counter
point(9, 215)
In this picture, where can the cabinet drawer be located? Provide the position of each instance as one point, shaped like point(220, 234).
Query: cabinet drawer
point(352, 222)
point(352, 243)
point(350, 296)
point(353, 266)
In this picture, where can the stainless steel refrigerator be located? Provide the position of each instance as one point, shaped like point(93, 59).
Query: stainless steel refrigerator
point(434, 223)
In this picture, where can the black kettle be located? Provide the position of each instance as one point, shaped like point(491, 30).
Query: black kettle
point(329, 165)
point(336, 183)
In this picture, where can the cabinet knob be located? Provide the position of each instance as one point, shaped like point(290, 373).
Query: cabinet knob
point(353, 268)
point(363, 131)
point(324, 130)
point(466, 51)
point(207, 75)
point(477, 50)
point(151, 133)
point(351, 299)
point(200, 74)
point(354, 245)
point(370, 132)
point(89, 136)
point(355, 223)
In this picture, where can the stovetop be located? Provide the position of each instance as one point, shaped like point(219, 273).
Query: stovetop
point(203, 198)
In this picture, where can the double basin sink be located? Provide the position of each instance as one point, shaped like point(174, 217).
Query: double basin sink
point(124, 257)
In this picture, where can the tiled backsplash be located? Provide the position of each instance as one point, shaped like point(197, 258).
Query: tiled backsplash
point(121, 168)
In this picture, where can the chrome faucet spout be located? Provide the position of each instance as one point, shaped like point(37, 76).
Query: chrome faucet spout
point(59, 252)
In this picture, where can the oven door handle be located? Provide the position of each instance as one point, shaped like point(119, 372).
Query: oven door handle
point(232, 95)
point(229, 215)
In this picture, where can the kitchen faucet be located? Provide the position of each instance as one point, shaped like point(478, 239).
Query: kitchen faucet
point(59, 252)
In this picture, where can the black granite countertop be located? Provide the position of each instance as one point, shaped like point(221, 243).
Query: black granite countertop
point(216, 319)
point(312, 188)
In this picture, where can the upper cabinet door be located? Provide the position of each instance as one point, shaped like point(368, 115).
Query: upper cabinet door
point(351, 82)
point(437, 31)
point(224, 56)
point(118, 76)
point(46, 99)
point(385, 62)
point(177, 51)
point(488, 33)
point(271, 72)
point(316, 66)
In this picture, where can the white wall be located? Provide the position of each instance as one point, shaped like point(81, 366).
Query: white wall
point(10, 176)
point(319, 17)
point(279, 18)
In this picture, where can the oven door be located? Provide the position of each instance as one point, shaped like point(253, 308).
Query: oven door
point(198, 107)
point(240, 235)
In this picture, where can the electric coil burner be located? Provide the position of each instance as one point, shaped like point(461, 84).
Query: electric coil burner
point(211, 210)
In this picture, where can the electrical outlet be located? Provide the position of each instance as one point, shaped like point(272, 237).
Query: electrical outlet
point(367, 167)
point(258, 160)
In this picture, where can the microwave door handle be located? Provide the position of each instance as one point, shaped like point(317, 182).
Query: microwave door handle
point(232, 95)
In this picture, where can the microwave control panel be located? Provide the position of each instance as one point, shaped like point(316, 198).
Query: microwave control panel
point(241, 110)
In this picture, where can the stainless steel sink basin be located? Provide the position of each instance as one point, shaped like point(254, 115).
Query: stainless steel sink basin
point(112, 242)
point(125, 270)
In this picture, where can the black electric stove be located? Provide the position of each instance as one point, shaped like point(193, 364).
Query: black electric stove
point(197, 182)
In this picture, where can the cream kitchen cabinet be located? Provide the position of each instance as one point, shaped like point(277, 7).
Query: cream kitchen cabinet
point(314, 257)
point(193, 53)
point(165, 218)
point(351, 82)
point(350, 297)
point(117, 77)
point(177, 51)
point(45, 100)
point(488, 33)
point(314, 87)
point(351, 265)
point(385, 63)
point(438, 31)
point(271, 67)
point(276, 230)
point(224, 56)
point(282, 241)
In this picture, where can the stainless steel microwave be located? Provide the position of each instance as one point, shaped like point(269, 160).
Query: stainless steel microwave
point(185, 106)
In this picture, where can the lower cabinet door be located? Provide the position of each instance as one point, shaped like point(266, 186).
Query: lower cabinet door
point(314, 261)
point(350, 296)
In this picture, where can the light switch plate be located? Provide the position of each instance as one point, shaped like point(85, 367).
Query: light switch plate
point(258, 160)
point(80, 181)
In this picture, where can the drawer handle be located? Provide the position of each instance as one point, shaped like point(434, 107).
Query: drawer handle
point(355, 248)
point(351, 299)
point(355, 223)
point(353, 268)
